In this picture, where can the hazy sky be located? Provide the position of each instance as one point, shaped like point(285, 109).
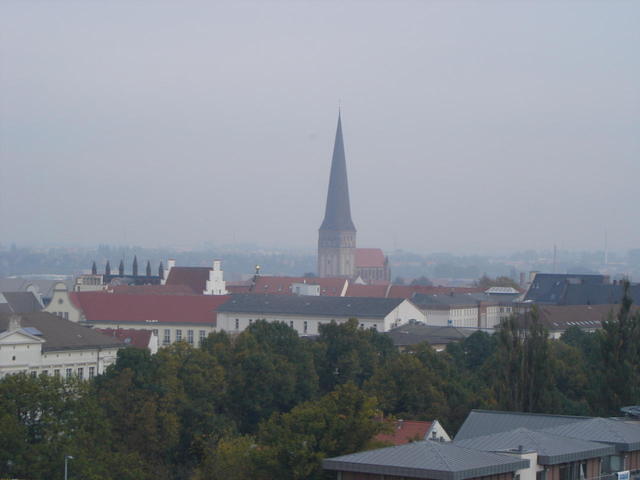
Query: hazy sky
point(469, 126)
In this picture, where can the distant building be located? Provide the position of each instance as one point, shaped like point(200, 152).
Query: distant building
point(95, 281)
point(36, 343)
point(337, 234)
point(202, 280)
point(438, 337)
point(136, 338)
point(372, 266)
point(406, 431)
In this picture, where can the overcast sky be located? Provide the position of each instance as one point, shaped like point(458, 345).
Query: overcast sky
point(469, 126)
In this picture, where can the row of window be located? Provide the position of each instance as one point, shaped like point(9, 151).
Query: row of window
point(64, 315)
point(69, 373)
point(305, 325)
point(166, 339)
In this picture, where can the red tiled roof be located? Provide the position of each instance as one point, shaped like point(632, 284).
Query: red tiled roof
point(130, 336)
point(153, 289)
point(238, 288)
point(116, 307)
point(194, 277)
point(377, 291)
point(330, 286)
point(405, 431)
point(369, 257)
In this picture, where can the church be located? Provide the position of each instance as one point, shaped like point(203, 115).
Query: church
point(338, 255)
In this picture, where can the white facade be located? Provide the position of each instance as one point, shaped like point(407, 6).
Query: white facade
point(61, 304)
point(216, 284)
point(462, 316)
point(437, 432)
point(21, 351)
point(309, 324)
point(306, 289)
point(88, 283)
point(166, 333)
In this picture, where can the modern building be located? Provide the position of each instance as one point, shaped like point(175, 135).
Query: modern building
point(306, 313)
point(37, 343)
point(429, 459)
point(573, 460)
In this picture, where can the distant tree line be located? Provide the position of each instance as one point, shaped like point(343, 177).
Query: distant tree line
point(269, 404)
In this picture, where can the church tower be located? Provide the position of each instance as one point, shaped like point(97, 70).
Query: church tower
point(337, 234)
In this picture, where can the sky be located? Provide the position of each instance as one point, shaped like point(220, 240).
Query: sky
point(469, 126)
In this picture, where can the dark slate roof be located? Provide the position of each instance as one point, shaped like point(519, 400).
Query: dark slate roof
point(550, 287)
point(625, 436)
point(486, 422)
point(311, 305)
point(412, 334)
point(337, 214)
point(552, 449)
point(21, 302)
point(594, 294)
point(61, 334)
point(427, 459)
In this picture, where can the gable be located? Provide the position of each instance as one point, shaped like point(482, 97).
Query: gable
point(19, 337)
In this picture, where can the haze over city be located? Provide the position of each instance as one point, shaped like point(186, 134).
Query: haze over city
point(468, 126)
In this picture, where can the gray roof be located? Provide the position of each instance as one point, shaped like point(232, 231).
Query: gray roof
point(357, 307)
point(486, 422)
point(552, 449)
point(625, 436)
point(550, 287)
point(427, 459)
point(20, 302)
point(412, 334)
point(61, 334)
point(337, 214)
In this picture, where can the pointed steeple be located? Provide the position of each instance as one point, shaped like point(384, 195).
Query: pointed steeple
point(148, 268)
point(107, 268)
point(337, 214)
point(134, 268)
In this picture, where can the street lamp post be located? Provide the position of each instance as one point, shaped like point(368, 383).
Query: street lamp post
point(66, 466)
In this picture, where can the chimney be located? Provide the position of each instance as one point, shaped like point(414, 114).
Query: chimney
point(14, 323)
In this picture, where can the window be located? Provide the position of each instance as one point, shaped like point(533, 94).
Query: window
point(250, 321)
point(56, 373)
point(69, 372)
point(541, 475)
point(202, 335)
point(167, 336)
point(45, 372)
point(66, 315)
point(178, 335)
point(81, 373)
point(190, 337)
point(33, 373)
point(291, 323)
point(375, 326)
point(92, 372)
point(306, 326)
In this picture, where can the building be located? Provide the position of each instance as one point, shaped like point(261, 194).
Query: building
point(328, 286)
point(306, 313)
point(438, 337)
point(372, 266)
point(143, 339)
point(172, 318)
point(337, 234)
point(20, 302)
point(621, 436)
point(202, 280)
point(429, 459)
point(95, 281)
point(406, 431)
point(37, 343)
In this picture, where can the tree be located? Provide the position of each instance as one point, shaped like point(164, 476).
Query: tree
point(422, 281)
point(524, 379)
point(619, 342)
point(485, 282)
point(293, 444)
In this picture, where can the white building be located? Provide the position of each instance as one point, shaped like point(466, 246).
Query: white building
point(39, 342)
point(306, 313)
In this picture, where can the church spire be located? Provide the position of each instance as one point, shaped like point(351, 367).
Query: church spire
point(337, 214)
